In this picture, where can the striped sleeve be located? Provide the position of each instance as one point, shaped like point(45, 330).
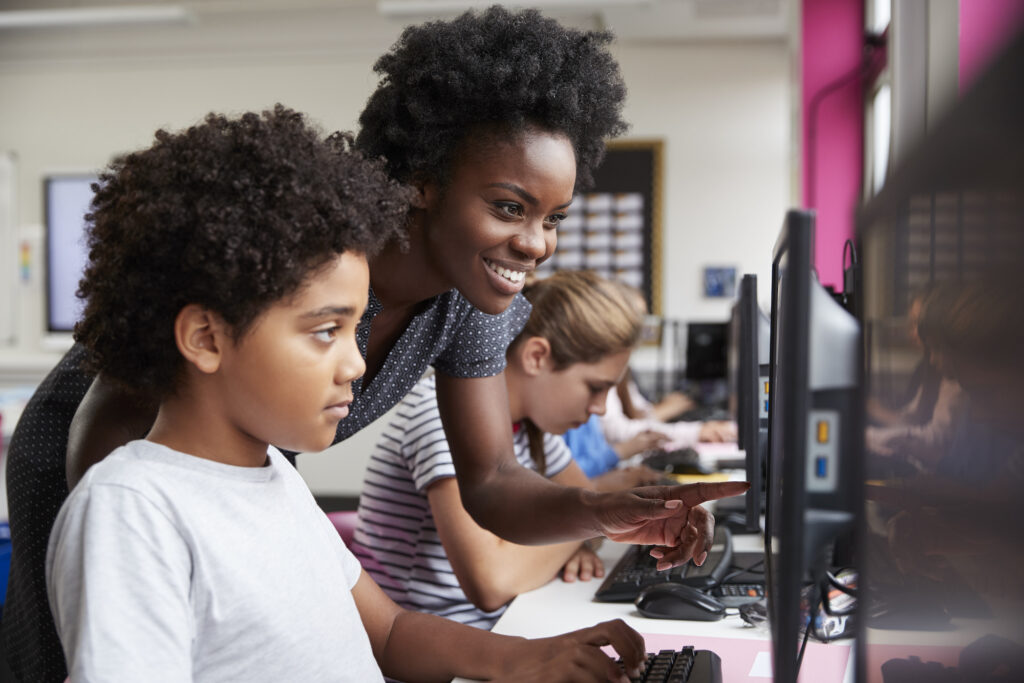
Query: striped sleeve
point(425, 446)
point(556, 454)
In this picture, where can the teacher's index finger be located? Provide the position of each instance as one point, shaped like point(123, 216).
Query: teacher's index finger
point(695, 494)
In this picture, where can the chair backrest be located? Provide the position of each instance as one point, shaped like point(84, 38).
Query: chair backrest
point(345, 522)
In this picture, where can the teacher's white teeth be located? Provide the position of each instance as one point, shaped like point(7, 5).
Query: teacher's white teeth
point(507, 273)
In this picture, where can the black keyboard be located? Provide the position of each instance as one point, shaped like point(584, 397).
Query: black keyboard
point(703, 414)
point(685, 665)
point(738, 594)
point(636, 570)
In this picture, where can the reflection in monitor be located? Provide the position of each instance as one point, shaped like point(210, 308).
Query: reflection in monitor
point(749, 339)
point(67, 199)
point(941, 534)
point(814, 433)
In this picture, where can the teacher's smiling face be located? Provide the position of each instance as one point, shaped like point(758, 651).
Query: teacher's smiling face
point(497, 218)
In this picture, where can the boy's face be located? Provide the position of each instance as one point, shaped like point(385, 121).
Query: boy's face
point(290, 376)
point(498, 217)
point(561, 400)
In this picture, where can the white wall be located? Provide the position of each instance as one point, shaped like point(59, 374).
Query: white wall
point(722, 109)
point(723, 113)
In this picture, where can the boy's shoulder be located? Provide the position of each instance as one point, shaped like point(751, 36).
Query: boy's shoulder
point(142, 464)
point(134, 465)
point(127, 457)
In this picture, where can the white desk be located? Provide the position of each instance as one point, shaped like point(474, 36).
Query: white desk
point(559, 607)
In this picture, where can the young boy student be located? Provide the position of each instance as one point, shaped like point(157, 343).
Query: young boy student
point(227, 274)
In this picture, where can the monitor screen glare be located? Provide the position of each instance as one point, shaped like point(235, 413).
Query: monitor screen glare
point(67, 201)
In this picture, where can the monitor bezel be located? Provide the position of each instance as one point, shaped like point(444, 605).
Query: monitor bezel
point(787, 411)
point(748, 420)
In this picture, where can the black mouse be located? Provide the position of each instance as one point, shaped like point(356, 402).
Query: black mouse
point(682, 461)
point(691, 468)
point(676, 601)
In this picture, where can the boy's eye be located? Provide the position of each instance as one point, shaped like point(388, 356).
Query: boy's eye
point(326, 335)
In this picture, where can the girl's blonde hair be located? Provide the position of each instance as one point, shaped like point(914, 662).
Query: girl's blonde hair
point(584, 317)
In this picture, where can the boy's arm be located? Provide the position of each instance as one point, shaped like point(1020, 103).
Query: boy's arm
point(492, 571)
point(415, 646)
point(522, 506)
point(107, 418)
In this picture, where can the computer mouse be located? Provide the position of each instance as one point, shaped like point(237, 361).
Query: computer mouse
point(676, 601)
point(682, 461)
point(691, 468)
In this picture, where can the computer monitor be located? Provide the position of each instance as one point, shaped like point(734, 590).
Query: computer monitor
point(814, 436)
point(749, 345)
point(67, 198)
point(941, 534)
point(706, 351)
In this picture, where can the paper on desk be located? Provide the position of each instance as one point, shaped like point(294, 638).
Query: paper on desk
point(716, 450)
point(698, 478)
point(748, 660)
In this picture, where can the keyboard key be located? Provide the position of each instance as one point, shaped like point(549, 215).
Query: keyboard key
point(685, 665)
point(738, 594)
point(636, 570)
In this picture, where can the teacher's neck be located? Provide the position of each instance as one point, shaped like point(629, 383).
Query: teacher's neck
point(404, 278)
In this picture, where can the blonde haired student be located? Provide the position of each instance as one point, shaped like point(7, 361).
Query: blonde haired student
point(633, 424)
point(413, 534)
point(227, 275)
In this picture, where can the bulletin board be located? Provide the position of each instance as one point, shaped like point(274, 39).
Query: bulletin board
point(615, 227)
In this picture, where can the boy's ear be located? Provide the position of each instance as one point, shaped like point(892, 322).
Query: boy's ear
point(200, 335)
point(425, 194)
point(534, 355)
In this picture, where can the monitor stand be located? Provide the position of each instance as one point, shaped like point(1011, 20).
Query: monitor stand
point(732, 512)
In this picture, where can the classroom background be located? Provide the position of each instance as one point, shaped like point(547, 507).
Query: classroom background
point(749, 99)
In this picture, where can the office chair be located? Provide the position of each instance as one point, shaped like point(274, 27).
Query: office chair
point(345, 522)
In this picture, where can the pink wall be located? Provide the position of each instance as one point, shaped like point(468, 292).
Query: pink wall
point(832, 107)
point(985, 28)
point(832, 124)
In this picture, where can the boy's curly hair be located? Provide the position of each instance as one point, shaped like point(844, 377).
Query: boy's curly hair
point(508, 70)
point(230, 214)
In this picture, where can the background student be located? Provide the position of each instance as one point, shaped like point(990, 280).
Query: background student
point(631, 420)
point(511, 115)
point(227, 275)
point(413, 534)
point(599, 460)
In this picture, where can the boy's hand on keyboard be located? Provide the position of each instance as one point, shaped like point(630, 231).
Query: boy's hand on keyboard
point(577, 656)
point(583, 565)
point(667, 516)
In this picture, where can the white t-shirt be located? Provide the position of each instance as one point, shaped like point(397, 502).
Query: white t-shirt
point(396, 536)
point(167, 567)
point(618, 428)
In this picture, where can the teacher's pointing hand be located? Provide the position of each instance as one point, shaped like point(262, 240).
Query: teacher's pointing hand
point(670, 517)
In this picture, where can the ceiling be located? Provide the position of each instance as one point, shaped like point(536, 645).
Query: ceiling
point(61, 30)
